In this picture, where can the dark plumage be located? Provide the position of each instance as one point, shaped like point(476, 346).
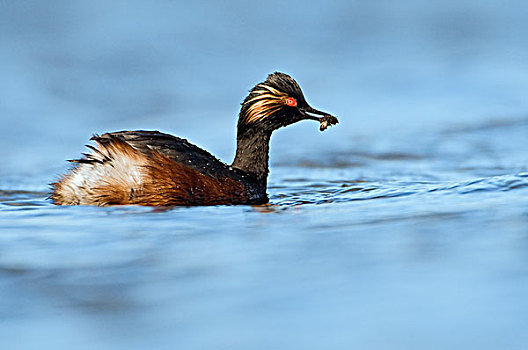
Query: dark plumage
point(152, 168)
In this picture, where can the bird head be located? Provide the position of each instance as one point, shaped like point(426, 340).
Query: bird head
point(278, 102)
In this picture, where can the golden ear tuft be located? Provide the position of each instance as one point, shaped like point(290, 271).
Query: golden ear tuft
point(267, 101)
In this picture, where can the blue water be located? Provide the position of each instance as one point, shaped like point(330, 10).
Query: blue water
point(403, 227)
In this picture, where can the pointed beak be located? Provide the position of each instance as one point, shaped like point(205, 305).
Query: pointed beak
point(324, 118)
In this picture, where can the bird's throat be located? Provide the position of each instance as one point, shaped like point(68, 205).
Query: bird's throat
point(252, 154)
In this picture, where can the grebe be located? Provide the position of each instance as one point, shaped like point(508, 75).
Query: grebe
point(152, 168)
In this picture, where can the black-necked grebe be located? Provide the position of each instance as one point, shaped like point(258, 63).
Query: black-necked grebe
point(152, 168)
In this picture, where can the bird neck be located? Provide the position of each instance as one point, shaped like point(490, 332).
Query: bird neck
point(252, 154)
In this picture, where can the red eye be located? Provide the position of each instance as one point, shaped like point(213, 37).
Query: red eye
point(290, 101)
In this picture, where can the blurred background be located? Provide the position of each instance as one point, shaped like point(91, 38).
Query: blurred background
point(73, 68)
point(413, 232)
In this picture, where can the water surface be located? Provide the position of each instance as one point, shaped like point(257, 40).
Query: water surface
point(404, 227)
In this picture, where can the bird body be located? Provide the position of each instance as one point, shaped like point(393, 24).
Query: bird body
point(152, 168)
point(157, 169)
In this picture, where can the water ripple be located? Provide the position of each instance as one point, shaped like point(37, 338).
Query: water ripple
point(348, 191)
